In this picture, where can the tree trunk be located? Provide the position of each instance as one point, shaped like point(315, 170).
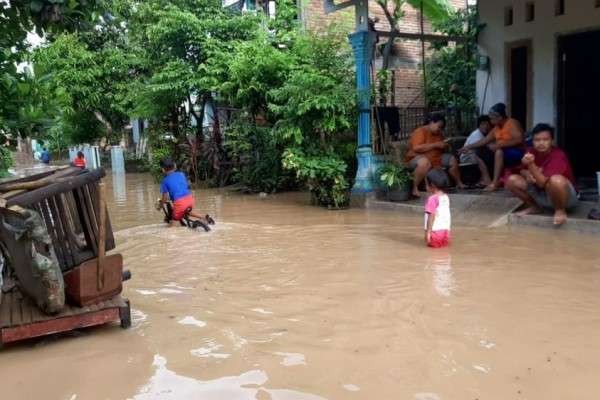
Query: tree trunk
point(104, 121)
point(199, 118)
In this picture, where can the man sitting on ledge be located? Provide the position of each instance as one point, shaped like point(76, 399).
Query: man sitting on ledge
point(546, 179)
point(427, 149)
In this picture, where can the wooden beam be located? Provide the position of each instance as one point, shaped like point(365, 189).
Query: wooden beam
point(330, 6)
point(28, 178)
point(428, 37)
point(52, 326)
point(63, 185)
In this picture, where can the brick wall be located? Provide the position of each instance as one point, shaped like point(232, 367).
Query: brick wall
point(408, 82)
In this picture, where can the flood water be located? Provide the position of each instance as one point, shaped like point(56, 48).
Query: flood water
point(285, 301)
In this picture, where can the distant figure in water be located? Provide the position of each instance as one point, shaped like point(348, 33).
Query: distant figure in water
point(45, 157)
point(175, 188)
point(79, 161)
point(437, 210)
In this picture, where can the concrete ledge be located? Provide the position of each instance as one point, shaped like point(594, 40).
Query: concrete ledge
point(578, 225)
point(468, 209)
point(577, 221)
point(360, 200)
point(492, 210)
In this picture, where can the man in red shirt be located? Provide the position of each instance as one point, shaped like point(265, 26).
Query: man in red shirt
point(546, 179)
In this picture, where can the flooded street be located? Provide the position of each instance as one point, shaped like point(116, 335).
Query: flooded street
point(285, 301)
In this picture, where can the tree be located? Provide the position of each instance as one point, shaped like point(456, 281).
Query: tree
point(46, 17)
point(88, 81)
point(435, 11)
point(316, 100)
point(453, 68)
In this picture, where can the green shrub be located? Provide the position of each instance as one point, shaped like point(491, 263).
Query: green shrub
point(393, 176)
point(323, 174)
point(6, 161)
point(256, 155)
point(157, 155)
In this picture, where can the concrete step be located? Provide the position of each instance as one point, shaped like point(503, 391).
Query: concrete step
point(577, 221)
point(468, 209)
point(496, 209)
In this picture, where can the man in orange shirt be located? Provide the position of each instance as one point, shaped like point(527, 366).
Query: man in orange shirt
point(426, 150)
point(506, 140)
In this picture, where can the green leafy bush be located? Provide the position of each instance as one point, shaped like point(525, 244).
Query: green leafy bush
point(317, 102)
point(451, 70)
point(323, 174)
point(6, 161)
point(393, 176)
point(157, 155)
point(256, 155)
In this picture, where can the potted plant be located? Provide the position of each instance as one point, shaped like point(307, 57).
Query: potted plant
point(397, 180)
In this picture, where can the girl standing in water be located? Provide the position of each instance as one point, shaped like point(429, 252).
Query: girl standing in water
point(437, 210)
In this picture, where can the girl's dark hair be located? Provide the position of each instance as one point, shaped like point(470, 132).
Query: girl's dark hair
point(539, 128)
point(435, 117)
point(438, 178)
point(80, 154)
point(482, 119)
point(167, 164)
point(499, 109)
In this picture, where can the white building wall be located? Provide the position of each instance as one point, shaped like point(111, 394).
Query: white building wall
point(580, 15)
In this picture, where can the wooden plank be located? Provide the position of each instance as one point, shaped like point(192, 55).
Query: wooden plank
point(16, 309)
point(62, 229)
point(28, 178)
point(425, 37)
point(110, 238)
point(52, 326)
point(92, 210)
point(44, 208)
point(64, 185)
point(61, 243)
point(12, 193)
point(39, 183)
point(84, 217)
point(5, 309)
point(37, 315)
point(75, 225)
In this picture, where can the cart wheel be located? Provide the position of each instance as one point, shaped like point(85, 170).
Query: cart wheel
point(125, 315)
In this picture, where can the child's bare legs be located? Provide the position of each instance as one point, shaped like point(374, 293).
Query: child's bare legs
point(485, 173)
point(423, 166)
point(454, 172)
point(498, 168)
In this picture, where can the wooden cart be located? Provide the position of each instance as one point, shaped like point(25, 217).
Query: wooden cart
point(49, 225)
point(20, 319)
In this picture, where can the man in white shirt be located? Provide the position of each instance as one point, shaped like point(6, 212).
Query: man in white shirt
point(472, 157)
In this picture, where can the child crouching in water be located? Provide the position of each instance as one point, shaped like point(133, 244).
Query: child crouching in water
point(437, 210)
point(174, 187)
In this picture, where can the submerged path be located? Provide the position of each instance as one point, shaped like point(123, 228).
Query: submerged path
point(285, 301)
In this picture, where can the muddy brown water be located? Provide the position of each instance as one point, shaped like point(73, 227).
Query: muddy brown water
point(285, 301)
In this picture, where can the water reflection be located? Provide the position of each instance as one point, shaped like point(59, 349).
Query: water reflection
point(166, 384)
point(440, 263)
point(119, 187)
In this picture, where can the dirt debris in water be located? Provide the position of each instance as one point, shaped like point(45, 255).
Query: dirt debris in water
point(354, 307)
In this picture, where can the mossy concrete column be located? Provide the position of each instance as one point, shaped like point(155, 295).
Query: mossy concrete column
point(362, 43)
